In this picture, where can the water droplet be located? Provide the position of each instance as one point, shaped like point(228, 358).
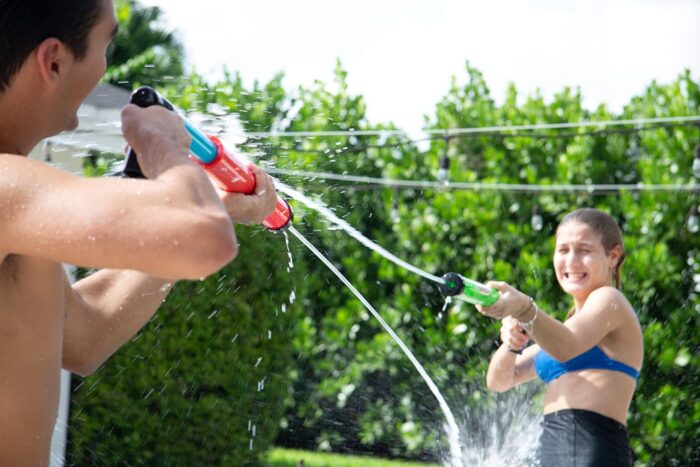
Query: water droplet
point(448, 300)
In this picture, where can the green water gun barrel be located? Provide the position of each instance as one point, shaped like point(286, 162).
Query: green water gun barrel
point(461, 288)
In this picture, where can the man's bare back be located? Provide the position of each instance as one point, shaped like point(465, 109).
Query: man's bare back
point(32, 313)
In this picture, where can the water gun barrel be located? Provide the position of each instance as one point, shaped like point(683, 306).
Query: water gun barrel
point(230, 172)
point(461, 288)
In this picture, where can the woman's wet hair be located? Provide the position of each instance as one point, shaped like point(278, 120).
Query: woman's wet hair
point(24, 24)
point(607, 229)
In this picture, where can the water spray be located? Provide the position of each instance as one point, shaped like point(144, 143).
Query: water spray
point(451, 427)
point(450, 285)
point(230, 172)
point(467, 290)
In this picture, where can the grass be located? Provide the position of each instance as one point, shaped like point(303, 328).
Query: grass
point(291, 458)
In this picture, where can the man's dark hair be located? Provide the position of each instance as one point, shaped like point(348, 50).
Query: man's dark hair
point(24, 24)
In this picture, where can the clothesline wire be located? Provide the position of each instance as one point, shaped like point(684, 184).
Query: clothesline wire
point(363, 182)
point(689, 119)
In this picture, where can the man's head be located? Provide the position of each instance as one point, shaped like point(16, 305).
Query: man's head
point(52, 54)
point(24, 24)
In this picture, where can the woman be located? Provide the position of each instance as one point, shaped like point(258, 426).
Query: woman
point(590, 363)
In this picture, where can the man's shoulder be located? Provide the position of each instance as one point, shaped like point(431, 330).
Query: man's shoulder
point(6, 156)
point(14, 169)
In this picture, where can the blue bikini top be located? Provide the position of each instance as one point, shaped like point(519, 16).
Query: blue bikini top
point(548, 369)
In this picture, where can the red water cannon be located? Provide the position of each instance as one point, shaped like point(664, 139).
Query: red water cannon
point(230, 172)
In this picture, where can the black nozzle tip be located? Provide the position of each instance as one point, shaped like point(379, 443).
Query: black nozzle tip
point(454, 285)
point(146, 96)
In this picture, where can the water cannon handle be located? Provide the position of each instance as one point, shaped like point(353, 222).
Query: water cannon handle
point(234, 176)
point(231, 174)
point(144, 96)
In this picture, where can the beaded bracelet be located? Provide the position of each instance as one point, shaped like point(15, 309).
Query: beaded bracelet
point(529, 326)
point(525, 325)
point(524, 310)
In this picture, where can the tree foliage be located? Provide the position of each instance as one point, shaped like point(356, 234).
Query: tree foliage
point(143, 52)
point(184, 390)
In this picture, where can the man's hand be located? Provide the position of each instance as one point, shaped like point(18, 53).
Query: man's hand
point(157, 135)
point(254, 208)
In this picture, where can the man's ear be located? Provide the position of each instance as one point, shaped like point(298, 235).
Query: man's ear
point(52, 59)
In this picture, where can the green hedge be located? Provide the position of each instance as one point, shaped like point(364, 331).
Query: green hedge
point(204, 382)
point(184, 391)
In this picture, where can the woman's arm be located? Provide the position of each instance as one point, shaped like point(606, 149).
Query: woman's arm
point(507, 368)
point(605, 311)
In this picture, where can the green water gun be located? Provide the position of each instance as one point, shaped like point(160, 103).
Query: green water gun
point(470, 291)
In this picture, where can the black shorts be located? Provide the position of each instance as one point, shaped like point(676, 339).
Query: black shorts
point(581, 438)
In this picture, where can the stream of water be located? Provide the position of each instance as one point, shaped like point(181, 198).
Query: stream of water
point(451, 428)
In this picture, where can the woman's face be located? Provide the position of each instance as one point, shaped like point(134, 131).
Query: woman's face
point(580, 261)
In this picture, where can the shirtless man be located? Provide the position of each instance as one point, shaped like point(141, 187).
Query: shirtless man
point(141, 234)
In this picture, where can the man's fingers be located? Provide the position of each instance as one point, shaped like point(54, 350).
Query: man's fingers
point(265, 187)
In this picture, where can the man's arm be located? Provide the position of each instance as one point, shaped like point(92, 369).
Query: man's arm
point(109, 307)
point(155, 226)
point(172, 225)
point(105, 310)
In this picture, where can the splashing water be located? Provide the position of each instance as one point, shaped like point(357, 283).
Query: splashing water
point(290, 265)
point(448, 300)
point(451, 428)
point(353, 232)
point(504, 433)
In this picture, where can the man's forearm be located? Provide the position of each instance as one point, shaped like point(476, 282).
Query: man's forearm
point(106, 310)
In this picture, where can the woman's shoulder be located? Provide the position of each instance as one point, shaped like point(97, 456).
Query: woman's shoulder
point(610, 299)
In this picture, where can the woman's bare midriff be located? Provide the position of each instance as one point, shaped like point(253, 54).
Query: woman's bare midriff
point(606, 392)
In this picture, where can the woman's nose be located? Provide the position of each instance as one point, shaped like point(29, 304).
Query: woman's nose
point(572, 258)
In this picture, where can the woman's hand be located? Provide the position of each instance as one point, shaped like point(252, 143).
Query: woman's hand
point(511, 302)
point(513, 334)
